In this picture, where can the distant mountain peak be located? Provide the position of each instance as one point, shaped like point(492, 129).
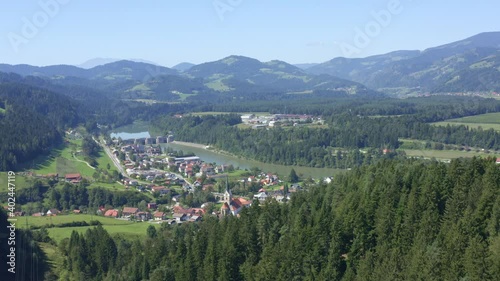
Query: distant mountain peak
point(183, 66)
point(240, 59)
point(91, 63)
point(102, 61)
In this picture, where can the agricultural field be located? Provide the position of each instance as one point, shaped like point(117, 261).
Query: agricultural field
point(445, 154)
point(20, 182)
point(65, 159)
point(485, 121)
point(113, 226)
point(40, 221)
point(132, 230)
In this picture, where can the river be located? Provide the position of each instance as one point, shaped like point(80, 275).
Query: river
point(141, 130)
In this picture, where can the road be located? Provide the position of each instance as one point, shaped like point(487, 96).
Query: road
point(113, 158)
point(118, 165)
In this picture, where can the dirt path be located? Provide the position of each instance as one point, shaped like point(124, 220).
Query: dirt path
point(83, 161)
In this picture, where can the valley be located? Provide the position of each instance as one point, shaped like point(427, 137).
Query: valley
point(375, 168)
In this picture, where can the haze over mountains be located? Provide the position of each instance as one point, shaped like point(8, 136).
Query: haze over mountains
point(472, 64)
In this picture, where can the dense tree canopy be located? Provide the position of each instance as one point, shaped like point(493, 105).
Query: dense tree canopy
point(396, 220)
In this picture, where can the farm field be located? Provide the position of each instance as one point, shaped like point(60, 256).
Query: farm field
point(65, 160)
point(485, 121)
point(445, 154)
point(113, 226)
point(40, 221)
point(20, 182)
point(132, 230)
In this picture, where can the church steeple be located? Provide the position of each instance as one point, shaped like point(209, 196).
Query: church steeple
point(228, 196)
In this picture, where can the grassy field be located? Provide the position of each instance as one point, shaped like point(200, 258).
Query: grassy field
point(113, 226)
point(484, 126)
point(65, 159)
point(133, 230)
point(183, 96)
point(485, 121)
point(489, 118)
point(445, 154)
point(20, 182)
point(40, 221)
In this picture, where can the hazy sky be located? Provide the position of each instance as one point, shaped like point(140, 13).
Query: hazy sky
point(173, 31)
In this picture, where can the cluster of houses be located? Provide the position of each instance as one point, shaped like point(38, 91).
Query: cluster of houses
point(180, 215)
point(281, 195)
point(145, 141)
point(168, 179)
point(74, 178)
point(264, 179)
point(193, 166)
point(279, 120)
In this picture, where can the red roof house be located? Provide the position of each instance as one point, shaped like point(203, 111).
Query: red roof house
point(111, 213)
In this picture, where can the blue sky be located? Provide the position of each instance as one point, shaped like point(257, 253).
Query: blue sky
point(173, 31)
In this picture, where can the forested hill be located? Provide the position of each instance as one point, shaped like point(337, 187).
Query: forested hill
point(471, 64)
point(397, 220)
point(31, 122)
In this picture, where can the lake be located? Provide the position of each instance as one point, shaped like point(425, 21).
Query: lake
point(139, 130)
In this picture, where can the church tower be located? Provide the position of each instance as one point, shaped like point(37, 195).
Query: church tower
point(228, 197)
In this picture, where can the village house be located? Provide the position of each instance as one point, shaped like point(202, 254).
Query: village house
point(143, 216)
point(160, 190)
point(220, 169)
point(19, 214)
point(194, 218)
point(152, 206)
point(159, 216)
point(129, 212)
point(295, 187)
point(498, 160)
point(207, 170)
point(53, 212)
point(112, 213)
point(180, 217)
point(262, 196)
point(73, 178)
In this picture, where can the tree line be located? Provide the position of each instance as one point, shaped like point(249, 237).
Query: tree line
point(395, 220)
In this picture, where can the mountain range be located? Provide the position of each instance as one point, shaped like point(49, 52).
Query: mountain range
point(231, 76)
point(472, 64)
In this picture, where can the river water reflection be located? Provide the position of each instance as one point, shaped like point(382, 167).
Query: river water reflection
point(141, 130)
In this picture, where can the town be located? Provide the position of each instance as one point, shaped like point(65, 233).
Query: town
point(181, 187)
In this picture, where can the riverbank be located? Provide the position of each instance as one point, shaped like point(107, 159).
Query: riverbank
point(190, 144)
point(220, 157)
point(212, 155)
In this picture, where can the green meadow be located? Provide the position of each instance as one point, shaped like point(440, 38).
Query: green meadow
point(485, 121)
point(128, 229)
point(20, 182)
point(445, 154)
point(67, 159)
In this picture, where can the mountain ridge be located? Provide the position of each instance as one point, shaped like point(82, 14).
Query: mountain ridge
point(422, 71)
